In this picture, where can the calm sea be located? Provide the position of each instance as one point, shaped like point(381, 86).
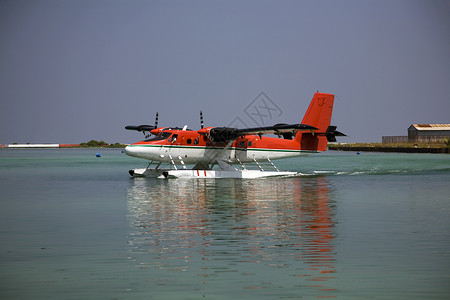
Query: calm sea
point(369, 226)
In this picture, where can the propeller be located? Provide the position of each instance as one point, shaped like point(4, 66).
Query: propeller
point(201, 119)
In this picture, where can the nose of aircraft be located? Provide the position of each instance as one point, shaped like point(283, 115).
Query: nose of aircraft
point(131, 151)
point(142, 151)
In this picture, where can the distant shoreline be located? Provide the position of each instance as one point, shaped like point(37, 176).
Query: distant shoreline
point(364, 147)
point(401, 148)
point(90, 144)
point(58, 146)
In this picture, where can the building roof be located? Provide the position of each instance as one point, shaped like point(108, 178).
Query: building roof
point(431, 126)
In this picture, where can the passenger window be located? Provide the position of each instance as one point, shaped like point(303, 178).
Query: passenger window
point(249, 144)
point(189, 141)
point(196, 141)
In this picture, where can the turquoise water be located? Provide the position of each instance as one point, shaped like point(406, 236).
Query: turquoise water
point(369, 226)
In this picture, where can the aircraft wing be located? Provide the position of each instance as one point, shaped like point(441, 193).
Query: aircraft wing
point(140, 127)
point(225, 134)
point(276, 129)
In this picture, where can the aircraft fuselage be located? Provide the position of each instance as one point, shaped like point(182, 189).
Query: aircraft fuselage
point(195, 148)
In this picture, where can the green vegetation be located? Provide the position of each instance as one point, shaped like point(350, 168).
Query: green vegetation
point(447, 142)
point(117, 145)
point(101, 144)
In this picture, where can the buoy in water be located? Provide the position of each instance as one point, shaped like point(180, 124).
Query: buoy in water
point(98, 155)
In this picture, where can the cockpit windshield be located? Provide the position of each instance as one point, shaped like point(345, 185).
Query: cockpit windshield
point(161, 136)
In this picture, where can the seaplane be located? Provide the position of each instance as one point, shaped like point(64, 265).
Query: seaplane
point(226, 152)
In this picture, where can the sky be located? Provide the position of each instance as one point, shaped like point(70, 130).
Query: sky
point(76, 70)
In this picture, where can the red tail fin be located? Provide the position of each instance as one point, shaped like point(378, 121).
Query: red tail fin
point(319, 111)
point(318, 115)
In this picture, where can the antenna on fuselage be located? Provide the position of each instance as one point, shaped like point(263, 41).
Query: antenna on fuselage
point(201, 119)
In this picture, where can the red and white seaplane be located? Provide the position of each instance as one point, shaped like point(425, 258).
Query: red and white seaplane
point(224, 152)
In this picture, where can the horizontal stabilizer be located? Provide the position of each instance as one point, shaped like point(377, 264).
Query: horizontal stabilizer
point(332, 133)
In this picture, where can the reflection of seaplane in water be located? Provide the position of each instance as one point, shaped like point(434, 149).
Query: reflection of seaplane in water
point(289, 223)
point(224, 147)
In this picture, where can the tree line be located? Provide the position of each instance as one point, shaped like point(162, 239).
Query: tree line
point(101, 144)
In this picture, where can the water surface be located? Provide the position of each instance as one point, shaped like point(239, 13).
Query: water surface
point(369, 226)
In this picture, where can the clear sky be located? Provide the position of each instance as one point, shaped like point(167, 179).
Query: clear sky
point(76, 70)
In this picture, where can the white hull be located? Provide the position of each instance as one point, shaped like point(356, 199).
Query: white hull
point(170, 173)
point(194, 155)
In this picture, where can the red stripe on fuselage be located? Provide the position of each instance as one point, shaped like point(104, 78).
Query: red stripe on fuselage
point(248, 142)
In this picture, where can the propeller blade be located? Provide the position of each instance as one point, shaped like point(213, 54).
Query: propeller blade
point(201, 119)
